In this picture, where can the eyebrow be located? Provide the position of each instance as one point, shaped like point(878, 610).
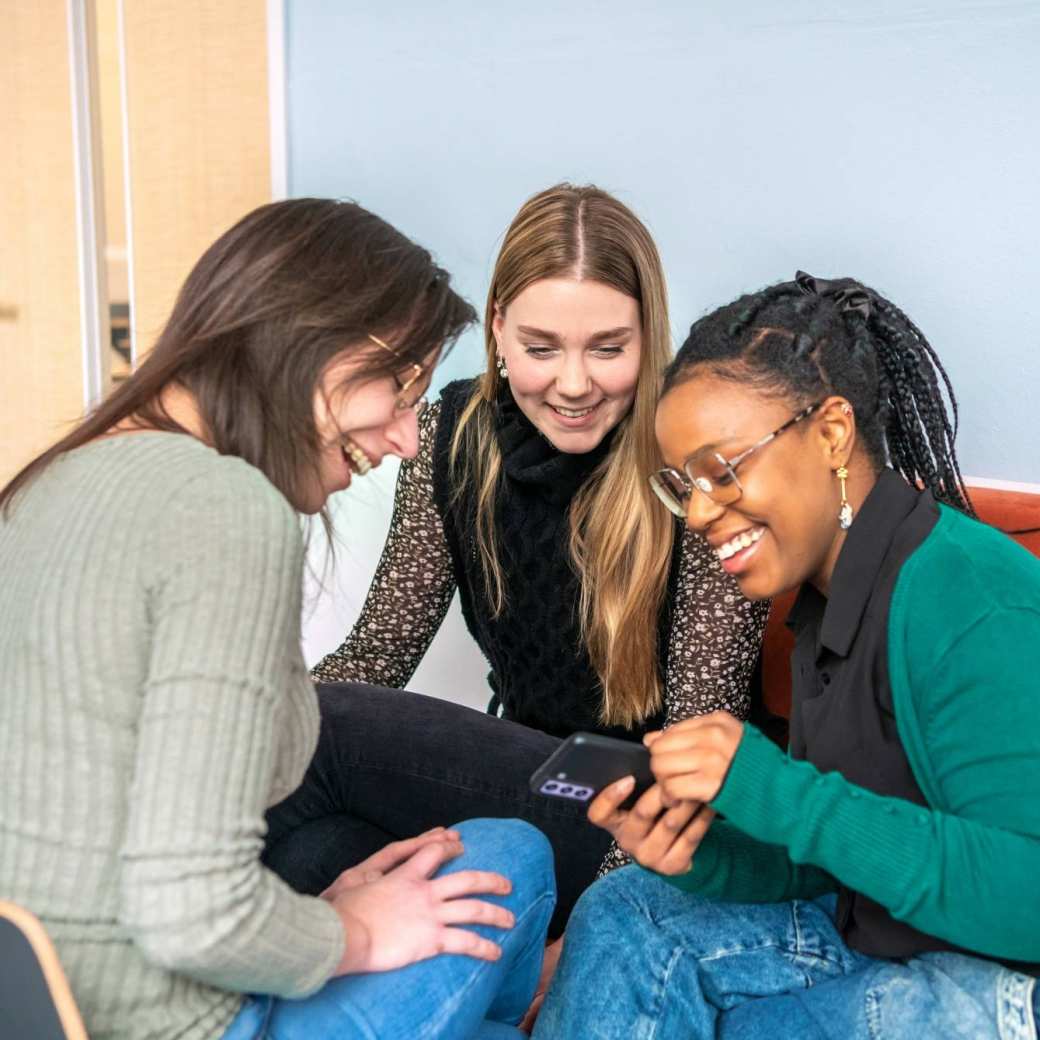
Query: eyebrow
point(596, 337)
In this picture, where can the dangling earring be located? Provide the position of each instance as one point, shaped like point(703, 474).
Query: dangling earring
point(845, 513)
point(503, 372)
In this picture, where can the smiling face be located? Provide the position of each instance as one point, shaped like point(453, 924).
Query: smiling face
point(572, 350)
point(360, 423)
point(782, 530)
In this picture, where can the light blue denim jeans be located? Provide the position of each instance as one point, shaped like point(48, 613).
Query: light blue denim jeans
point(449, 997)
point(644, 961)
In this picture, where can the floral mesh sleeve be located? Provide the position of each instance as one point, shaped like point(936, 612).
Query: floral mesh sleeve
point(712, 648)
point(412, 588)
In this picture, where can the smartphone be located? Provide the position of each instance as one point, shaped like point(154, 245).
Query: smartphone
point(585, 763)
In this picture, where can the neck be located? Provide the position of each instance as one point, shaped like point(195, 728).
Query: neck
point(860, 483)
point(179, 405)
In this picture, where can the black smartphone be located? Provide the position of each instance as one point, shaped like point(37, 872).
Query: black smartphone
point(585, 763)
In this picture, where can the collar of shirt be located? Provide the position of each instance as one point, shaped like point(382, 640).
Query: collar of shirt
point(867, 543)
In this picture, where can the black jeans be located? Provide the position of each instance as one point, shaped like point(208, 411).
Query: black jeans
point(391, 764)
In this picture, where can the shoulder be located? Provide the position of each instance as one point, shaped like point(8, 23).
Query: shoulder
point(453, 400)
point(967, 568)
point(219, 506)
point(964, 579)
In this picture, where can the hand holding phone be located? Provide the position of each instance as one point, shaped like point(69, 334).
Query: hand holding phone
point(585, 763)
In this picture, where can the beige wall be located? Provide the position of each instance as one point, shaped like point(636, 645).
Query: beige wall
point(41, 378)
point(199, 160)
point(199, 137)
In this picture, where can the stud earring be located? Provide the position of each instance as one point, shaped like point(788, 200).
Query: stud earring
point(845, 512)
point(503, 372)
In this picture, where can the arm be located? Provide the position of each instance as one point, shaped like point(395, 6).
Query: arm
point(715, 637)
point(731, 867)
point(966, 869)
point(713, 644)
point(225, 679)
point(412, 588)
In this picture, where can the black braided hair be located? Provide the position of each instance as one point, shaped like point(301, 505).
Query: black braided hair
point(810, 338)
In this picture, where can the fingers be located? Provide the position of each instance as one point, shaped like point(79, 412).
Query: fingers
point(604, 809)
point(469, 944)
point(475, 911)
point(471, 882)
point(678, 858)
point(428, 859)
point(651, 850)
point(397, 852)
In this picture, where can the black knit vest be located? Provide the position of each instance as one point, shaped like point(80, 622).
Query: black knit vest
point(540, 674)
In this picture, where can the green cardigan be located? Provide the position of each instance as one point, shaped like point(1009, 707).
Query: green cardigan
point(964, 664)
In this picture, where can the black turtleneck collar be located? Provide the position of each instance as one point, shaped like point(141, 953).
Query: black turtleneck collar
point(529, 457)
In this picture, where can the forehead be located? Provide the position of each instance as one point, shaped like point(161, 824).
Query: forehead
point(573, 308)
point(707, 411)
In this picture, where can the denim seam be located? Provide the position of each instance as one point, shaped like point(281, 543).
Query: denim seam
point(1015, 1019)
point(661, 993)
point(448, 1010)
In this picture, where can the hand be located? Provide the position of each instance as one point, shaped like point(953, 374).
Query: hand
point(549, 962)
point(406, 916)
point(388, 857)
point(658, 832)
point(690, 760)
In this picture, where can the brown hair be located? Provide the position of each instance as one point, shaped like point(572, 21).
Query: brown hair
point(264, 310)
point(621, 540)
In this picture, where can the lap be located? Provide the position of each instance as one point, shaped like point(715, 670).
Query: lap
point(446, 996)
point(391, 764)
point(694, 967)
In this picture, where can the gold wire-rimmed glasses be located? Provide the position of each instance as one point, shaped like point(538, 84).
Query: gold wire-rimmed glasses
point(404, 384)
point(713, 475)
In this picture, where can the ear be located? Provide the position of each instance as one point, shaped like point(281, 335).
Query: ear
point(497, 324)
point(836, 422)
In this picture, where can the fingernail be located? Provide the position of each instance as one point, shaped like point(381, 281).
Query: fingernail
point(626, 784)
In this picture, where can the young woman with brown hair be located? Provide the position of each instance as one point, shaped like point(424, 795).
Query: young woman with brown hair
point(153, 695)
point(528, 495)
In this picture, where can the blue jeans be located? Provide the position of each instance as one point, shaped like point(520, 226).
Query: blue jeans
point(644, 961)
point(450, 996)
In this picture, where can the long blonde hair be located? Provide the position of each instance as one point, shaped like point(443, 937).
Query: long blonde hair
point(621, 540)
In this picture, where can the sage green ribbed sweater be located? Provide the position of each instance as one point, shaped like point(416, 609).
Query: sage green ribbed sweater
point(153, 702)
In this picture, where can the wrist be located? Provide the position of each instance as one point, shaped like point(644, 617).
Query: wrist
point(357, 943)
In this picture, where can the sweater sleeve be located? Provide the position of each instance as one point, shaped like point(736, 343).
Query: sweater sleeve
point(412, 587)
point(970, 881)
point(732, 867)
point(224, 594)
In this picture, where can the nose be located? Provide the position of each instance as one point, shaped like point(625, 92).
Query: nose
point(701, 511)
point(572, 380)
point(402, 434)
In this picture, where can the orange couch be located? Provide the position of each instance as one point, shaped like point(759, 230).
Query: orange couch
point(1007, 510)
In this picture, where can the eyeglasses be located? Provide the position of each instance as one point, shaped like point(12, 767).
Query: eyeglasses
point(711, 474)
point(412, 375)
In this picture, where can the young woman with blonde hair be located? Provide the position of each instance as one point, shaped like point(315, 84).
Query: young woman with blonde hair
point(528, 494)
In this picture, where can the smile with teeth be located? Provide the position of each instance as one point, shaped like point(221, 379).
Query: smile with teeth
point(744, 540)
point(355, 457)
point(574, 413)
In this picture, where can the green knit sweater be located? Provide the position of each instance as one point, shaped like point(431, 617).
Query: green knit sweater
point(964, 664)
point(153, 702)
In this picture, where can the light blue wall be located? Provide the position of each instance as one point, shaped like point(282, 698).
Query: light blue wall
point(894, 141)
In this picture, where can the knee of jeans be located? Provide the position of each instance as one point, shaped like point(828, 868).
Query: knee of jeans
point(514, 848)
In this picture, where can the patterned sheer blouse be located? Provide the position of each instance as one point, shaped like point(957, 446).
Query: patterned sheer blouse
point(712, 646)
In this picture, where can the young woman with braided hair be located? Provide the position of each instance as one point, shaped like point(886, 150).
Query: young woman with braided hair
point(880, 879)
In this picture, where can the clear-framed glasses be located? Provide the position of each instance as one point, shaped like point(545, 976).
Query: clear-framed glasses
point(712, 474)
point(405, 381)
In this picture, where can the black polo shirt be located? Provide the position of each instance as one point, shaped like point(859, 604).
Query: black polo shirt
point(842, 712)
